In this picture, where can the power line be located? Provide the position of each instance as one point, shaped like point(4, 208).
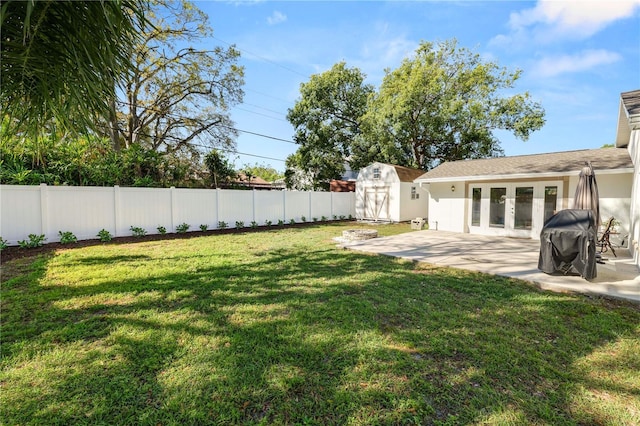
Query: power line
point(260, 114)
point(263, 58)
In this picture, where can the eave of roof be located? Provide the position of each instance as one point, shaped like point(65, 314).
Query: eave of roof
point(568, 163)
point(628, 117)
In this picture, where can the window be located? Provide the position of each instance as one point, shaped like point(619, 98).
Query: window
point(376, 173)
point(476, 200)
point(497, 198)
point(414, 193)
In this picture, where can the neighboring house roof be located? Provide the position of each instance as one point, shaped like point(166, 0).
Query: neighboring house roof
point(628, 116)
point(535, 165)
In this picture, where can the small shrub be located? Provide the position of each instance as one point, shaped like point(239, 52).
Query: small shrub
point(267, 222)
point(239, 224)
point(105, 236)
point(182, 228)
point(315, 219)
point(204, 227)
point(303, 219)
point(3, 244)
point(161, 230)
point(292, 222)
point(342, 217)
point(67, 237)
point(33, 241)
point(335, 217)
point(323, 218)
point(350, 217)
point(137, 231)
point(254, 224)
point(222, 225)
point(280, 222)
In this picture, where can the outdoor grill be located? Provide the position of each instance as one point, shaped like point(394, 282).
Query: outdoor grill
point(568, 244)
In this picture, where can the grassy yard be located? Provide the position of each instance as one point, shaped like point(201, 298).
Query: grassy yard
point(282, 327)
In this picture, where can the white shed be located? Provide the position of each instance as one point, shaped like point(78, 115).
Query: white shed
point(387, 193)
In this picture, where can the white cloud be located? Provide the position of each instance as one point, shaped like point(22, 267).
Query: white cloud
point(551, 19)
point(276, 18)
point(584, 61)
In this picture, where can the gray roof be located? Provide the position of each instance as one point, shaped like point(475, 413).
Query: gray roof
point(557, 163)
point(631, 101)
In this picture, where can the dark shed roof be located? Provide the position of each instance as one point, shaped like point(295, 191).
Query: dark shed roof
point(557, 163)
point(631, 101)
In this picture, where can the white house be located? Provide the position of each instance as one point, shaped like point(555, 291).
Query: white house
point(628, 136)
point(513, 196)
point(387, 193)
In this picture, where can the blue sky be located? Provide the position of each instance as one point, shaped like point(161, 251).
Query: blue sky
point(576, 57)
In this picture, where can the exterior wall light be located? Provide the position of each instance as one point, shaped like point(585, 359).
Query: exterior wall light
point(453, 188)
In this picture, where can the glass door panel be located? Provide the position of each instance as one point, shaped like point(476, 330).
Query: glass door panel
point(497, 203)
point(523, 212)
point(476, 206)
point(550, 201)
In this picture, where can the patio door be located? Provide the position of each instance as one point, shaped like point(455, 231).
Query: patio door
point(512, 209)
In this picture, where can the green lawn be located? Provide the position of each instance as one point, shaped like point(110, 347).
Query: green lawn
point(282, 327)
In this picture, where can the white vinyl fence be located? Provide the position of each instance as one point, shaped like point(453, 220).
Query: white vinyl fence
point(84, 211)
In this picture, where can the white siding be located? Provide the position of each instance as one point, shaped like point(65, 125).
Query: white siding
point(634, 211)
point(446, 207)
point(413, 208)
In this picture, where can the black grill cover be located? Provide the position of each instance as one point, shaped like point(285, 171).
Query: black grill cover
point(568, 244)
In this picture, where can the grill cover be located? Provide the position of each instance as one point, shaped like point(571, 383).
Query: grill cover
point(568, 244)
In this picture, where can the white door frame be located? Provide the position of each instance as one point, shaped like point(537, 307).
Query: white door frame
point(379, 209)
point(508, 228)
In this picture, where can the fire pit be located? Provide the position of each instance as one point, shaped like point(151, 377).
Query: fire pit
point(359, 234)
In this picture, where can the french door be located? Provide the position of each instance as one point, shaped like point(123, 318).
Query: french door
point(512, 209)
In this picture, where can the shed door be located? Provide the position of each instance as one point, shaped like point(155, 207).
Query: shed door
point(376, 203)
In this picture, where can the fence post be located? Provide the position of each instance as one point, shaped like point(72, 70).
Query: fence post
point(310, 202)
point(172, 191)
point(44, 207)
point(284, 206)
point(116, 209)
point(217, 208)
point(253, 200)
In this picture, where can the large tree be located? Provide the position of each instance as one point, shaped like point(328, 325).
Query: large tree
point(178, 96)
point(59, 59)
point(327, 118)
point(443, 104)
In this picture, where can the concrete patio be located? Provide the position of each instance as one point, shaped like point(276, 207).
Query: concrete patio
point(618, 277)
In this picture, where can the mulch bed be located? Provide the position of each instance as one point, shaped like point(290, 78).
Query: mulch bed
point(16, 252)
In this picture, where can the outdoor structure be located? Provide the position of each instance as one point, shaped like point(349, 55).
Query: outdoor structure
point(386, 192)
point(628, 136)
point(515, 196)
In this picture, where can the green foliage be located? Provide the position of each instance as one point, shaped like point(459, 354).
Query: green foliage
point(254, 224)
point(104, 235)
point(303, 219)
point(280, 222)
point(137, 231)
point(263, 171)
point(326, 119)
point(3, 244)
point(182, 228)
point(87, 161)
point(61, 59)
point(267, 222)
point(239, 224)
point(67, 237)
point(220, 169)
point(323, 218)
point(222, 225)
point(204, 227)
point(292, 222)
point(315, 219)
point(161, 230)
point(180, 92)
point(33, 241)
point(443, 104)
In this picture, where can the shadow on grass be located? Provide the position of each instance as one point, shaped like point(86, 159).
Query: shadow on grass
point(302, 335)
